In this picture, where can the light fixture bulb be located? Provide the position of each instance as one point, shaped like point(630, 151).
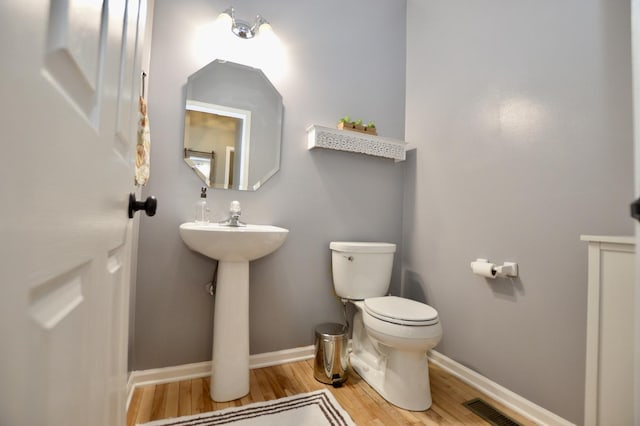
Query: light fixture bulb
point(225, 19)
point(265, 26)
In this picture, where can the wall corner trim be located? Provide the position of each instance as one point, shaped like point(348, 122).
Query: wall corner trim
point(528, 409)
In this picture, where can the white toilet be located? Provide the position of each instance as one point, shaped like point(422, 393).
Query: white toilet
point(391, 335)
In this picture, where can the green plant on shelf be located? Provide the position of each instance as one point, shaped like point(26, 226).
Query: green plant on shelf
point(348, 124)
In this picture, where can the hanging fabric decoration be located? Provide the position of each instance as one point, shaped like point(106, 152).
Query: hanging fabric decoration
point(143, 146)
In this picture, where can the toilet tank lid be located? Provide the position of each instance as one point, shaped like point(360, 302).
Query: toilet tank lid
point(362, 247)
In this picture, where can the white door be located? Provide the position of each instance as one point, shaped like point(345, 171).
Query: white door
point(69, 81)
point(635, 51)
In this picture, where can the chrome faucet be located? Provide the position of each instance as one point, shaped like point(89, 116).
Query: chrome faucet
point(234, 215)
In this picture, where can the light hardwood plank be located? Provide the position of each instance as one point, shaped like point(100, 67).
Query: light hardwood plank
point(146, 404)
point(134, 406)
point(266, 391)
point(184, 398)
point(206, 402)
point(173, 394)
point(159, 402)
point(196, 396)
point(364, 405)
point(254, 390)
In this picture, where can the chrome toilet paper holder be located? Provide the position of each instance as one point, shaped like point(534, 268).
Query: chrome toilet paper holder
point(506, 270)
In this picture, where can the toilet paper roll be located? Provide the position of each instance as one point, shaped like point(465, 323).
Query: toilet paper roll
point(484, 269)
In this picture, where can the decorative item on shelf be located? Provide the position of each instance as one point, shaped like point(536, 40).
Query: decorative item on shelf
point(345, 123)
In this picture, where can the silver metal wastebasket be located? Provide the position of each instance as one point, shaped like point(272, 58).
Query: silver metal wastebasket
point(331, 364)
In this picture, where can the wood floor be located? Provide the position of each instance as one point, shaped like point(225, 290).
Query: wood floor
point(362, 403)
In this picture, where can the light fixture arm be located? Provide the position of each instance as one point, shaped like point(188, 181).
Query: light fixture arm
point(259, 21)
point(231, 12)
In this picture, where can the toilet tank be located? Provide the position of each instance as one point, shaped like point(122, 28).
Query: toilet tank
point(361, 270)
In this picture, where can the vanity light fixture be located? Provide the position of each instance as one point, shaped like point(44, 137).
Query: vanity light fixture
point(241, 28)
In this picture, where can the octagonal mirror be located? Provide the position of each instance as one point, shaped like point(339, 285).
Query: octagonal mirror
point(232, 126)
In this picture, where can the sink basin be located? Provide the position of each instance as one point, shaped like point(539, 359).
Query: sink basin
point(230, 243)
point(233, 247)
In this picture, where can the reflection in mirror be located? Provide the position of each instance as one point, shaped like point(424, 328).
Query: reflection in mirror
point(211, 135)
point(233, 126)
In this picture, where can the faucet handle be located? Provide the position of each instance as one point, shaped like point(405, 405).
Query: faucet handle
point(234, 215)
point(234, 208)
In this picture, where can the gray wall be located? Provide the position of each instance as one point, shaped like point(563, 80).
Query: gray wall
point(521, 112)
point(344, 58)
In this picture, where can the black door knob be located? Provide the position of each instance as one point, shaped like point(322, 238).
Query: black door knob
point(149, 205)
point(635, 209)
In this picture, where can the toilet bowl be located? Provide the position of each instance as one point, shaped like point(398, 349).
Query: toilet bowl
point(391, 335)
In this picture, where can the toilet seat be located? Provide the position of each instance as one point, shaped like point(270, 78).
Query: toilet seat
point(397, 310)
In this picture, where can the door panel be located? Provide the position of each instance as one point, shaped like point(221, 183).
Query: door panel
point(75, 52)
point(68, 114)
point(58, 310)
point(127, 88)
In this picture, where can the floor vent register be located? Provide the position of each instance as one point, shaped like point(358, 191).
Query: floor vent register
point(489, 413)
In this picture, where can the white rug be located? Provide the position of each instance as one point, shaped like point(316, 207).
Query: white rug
point(318, 408)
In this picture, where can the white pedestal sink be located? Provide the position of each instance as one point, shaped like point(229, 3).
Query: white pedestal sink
point(233, 247)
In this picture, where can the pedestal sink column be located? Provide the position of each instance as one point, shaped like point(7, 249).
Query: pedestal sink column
point(234, 248)
point(230, 370)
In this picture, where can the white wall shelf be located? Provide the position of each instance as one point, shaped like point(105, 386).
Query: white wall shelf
point(348, 140)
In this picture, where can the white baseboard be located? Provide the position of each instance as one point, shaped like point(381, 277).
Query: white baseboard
point(281, 357)
point(499, 393)
point(158, 376)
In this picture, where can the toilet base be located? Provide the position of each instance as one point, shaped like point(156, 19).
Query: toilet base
point(393, 360)
point(402, 379)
